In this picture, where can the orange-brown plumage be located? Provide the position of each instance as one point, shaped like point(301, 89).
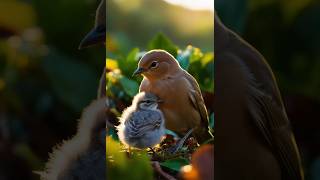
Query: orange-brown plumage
point(183, 105)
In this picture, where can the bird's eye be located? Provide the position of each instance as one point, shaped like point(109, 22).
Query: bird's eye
point(154, 64)
point(148, 101)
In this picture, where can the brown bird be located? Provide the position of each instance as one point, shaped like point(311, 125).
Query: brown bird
point(183, 105)
point(253, 136)
point(98, 34)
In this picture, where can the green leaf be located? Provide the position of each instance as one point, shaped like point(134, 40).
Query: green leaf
point(190, 55)
point(206, 59)
point(184, 58)
point(175, 164)
point(202, 68)
point(139, 167)
point(73, 82)
point(160, 41)
point(131, 87)
point(132, 61)
point(133, 55)
point(196, 55)
point(114, 154)
point(120, 167)
point(129, 63)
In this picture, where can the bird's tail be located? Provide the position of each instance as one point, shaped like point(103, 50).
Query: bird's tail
point(203, 135)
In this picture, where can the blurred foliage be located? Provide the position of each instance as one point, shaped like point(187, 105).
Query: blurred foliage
point(45, 81)
point(176, 163)
point(11, 13)
point(162, 42)
point(40, 99)
point(67, 77)
point(119, 166)
point(121, 84)
point(134, 23)
point(135, 27)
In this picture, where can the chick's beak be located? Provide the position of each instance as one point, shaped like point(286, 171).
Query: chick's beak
point(96, 36)
point(138, 71)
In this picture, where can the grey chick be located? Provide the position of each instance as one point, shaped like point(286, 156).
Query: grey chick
point(142, 124)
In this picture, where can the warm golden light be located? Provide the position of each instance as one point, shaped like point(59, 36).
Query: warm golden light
point(194, 4)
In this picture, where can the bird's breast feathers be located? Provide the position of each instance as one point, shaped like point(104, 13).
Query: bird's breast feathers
point(176, 107)
point(169, 90)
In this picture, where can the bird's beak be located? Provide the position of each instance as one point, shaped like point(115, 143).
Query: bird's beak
point(138, 71)
point(96, 36)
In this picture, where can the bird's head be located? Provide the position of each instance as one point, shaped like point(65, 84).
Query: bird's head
point(145, 100)
point(157, 64)
point(98, 34)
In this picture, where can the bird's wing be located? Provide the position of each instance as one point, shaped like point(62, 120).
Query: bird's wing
point(196, 99)
point(201, 132)
point(142, 121)
point(272, 122)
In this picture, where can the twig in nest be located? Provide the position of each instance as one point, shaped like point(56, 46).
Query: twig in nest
point(157, 168)
point(179, 144)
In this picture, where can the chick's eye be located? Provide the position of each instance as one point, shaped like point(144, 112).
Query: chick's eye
point(148, 101)
point(154, 64)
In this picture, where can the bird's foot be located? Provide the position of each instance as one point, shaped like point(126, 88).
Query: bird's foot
point(155, 155)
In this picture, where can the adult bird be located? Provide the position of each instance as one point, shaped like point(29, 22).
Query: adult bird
point(98, 34)
point(183, 106)
point(253, 136)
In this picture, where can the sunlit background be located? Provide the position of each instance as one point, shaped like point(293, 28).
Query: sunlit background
point(40, 101)
point(135, 22)
point(194, 4)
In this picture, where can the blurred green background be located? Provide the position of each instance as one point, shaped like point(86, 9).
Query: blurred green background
point(45, 81)
point(135, 27)
point(287, 33)
point(134, 23)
